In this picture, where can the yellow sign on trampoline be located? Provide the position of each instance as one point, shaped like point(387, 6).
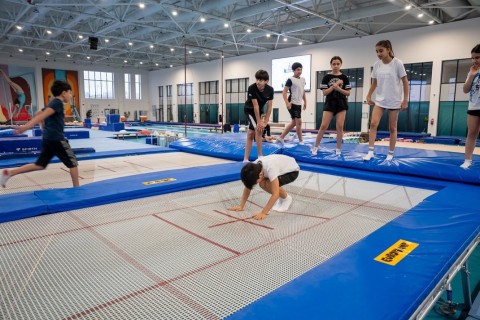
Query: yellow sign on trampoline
point(147, 183)
point(397, 252)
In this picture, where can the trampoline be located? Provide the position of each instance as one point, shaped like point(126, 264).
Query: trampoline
point(161, 245)
point(183, 255)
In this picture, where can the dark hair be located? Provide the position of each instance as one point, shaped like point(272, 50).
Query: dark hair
point(336, 58)
point(59, 86)
point(476, 49)
point(386, 44)
point(296, 65)
point(250, 174)
point(16, 101)
point(262, 75)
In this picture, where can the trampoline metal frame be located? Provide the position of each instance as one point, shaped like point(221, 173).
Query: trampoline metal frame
point(459, 265)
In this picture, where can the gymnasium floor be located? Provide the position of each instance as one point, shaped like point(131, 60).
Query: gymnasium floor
point(180, 255)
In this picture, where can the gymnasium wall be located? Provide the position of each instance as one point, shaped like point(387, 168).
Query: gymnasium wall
point(434, 43)
point(85, 104)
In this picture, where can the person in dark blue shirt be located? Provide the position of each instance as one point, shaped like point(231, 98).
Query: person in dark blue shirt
point(53, 142)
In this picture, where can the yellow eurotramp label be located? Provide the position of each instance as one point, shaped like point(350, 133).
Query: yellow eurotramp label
point(396, 252)
point(147, 183)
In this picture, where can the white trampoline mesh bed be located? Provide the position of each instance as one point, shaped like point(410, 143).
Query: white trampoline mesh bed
point(183, 255)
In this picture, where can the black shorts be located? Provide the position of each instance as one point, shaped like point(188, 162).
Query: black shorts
point(295, 111)
point(61, 149)
point(475, 113)
point(335, 108)
point(287, 178)
point(252, 120)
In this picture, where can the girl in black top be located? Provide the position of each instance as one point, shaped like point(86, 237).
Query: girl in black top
point(336, 88)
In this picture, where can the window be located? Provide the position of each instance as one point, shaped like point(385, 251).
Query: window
point(128, 87)
point(415, 119)
point(453, 106)
point(236, 95)
point(159, 112)
point(185, 102)
point(98, 85)
point(138, 86)
point(169, 103)
point(209, 103)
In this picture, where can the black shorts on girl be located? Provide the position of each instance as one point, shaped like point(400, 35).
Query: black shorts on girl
point(475, 113)
point(335, 108)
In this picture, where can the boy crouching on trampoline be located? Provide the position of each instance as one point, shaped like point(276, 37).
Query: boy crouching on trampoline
point(271, 173)
point(53, 142)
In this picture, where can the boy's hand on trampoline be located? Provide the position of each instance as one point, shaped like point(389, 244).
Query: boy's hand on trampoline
point(236, 208)
point(260, 216)
point(19, 130)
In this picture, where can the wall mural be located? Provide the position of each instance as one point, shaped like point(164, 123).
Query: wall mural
point(18, 98)
point(72, 112)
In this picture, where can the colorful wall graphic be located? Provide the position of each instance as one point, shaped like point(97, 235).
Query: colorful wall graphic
point(18, 98)
point(72, 112)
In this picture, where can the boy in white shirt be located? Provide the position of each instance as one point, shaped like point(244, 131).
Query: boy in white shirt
point(271, 173)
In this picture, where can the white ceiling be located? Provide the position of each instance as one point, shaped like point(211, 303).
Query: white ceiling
point(160, 39)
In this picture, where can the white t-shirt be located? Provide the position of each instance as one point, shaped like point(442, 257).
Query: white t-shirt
point(297, 89)
point(389, 91)
point(276, 165)
point(474, 99)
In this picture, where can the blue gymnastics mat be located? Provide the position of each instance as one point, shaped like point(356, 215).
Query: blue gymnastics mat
point(439, 165)
point(229, 146)
point(34, 203)
point(9, 160)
